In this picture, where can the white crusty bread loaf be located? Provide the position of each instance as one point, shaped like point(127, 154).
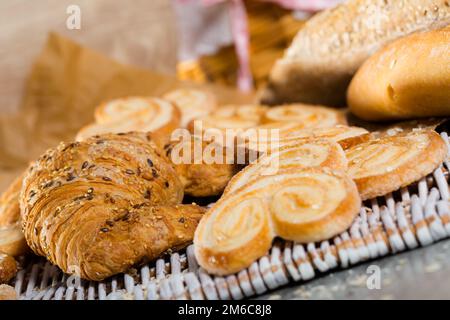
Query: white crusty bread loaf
point(329, 49)
point(410, 78)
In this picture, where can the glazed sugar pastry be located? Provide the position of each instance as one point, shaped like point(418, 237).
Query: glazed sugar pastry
point(95, 208)
point(12, 240)
point(141, 114)
point(304, 205)
point(192, 103)
point(386, 87)
point(229, 117)
point(313, 153)
point(202, 166)
point(8, 268)
point(384, 165)
point(309, 116)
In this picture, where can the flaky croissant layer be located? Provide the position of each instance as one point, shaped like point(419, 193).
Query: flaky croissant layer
point(95, 208)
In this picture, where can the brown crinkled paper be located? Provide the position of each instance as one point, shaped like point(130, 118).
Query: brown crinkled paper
point(66, 82)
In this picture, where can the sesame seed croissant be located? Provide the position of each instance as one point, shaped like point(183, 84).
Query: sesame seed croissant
point(96, 208)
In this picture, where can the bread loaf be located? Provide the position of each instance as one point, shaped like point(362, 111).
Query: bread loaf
point(329, 49)
point(410, 78)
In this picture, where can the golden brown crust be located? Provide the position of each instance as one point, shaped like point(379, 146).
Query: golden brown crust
point(99, 206)
point(308, 116)
point(384, 165)
point(12, 240)
point(233, 117)
point(303, 154)
point(289, 133)
point(142, 114)
point(192, 103)
point(8, 268)
point(306, 205)
point(7, 293)
point(206, 173)
point(387, 88)
point(9, 203)
point(329, 49)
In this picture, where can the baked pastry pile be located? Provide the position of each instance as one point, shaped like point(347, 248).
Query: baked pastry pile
point(113, 199)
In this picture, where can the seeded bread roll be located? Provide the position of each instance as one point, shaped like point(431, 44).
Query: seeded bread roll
point(98, 207)
point(410, 78)
point(329, 49)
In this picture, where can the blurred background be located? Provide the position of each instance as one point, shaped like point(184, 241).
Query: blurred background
point(200, 40)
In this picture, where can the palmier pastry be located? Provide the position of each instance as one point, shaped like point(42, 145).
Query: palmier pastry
point(384, 165)
point(232, 117)
point(8, 268)
point(95, 208)
point(305, 205)
point(204, 168)
point(344, 135)
point(314, 153)
point(12, 240)
point(289, 133)
point(192, 103)
point(309, 116)
point(141, 114)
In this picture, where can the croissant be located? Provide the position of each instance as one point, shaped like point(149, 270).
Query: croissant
point(204, 170)
point(304, 205)
point(12, 240)
point(192, 103)
point(383, 165)
point(141, 114)
point(304, 154)
point(97, 207)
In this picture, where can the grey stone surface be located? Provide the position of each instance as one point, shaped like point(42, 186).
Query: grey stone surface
point(422, 273)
